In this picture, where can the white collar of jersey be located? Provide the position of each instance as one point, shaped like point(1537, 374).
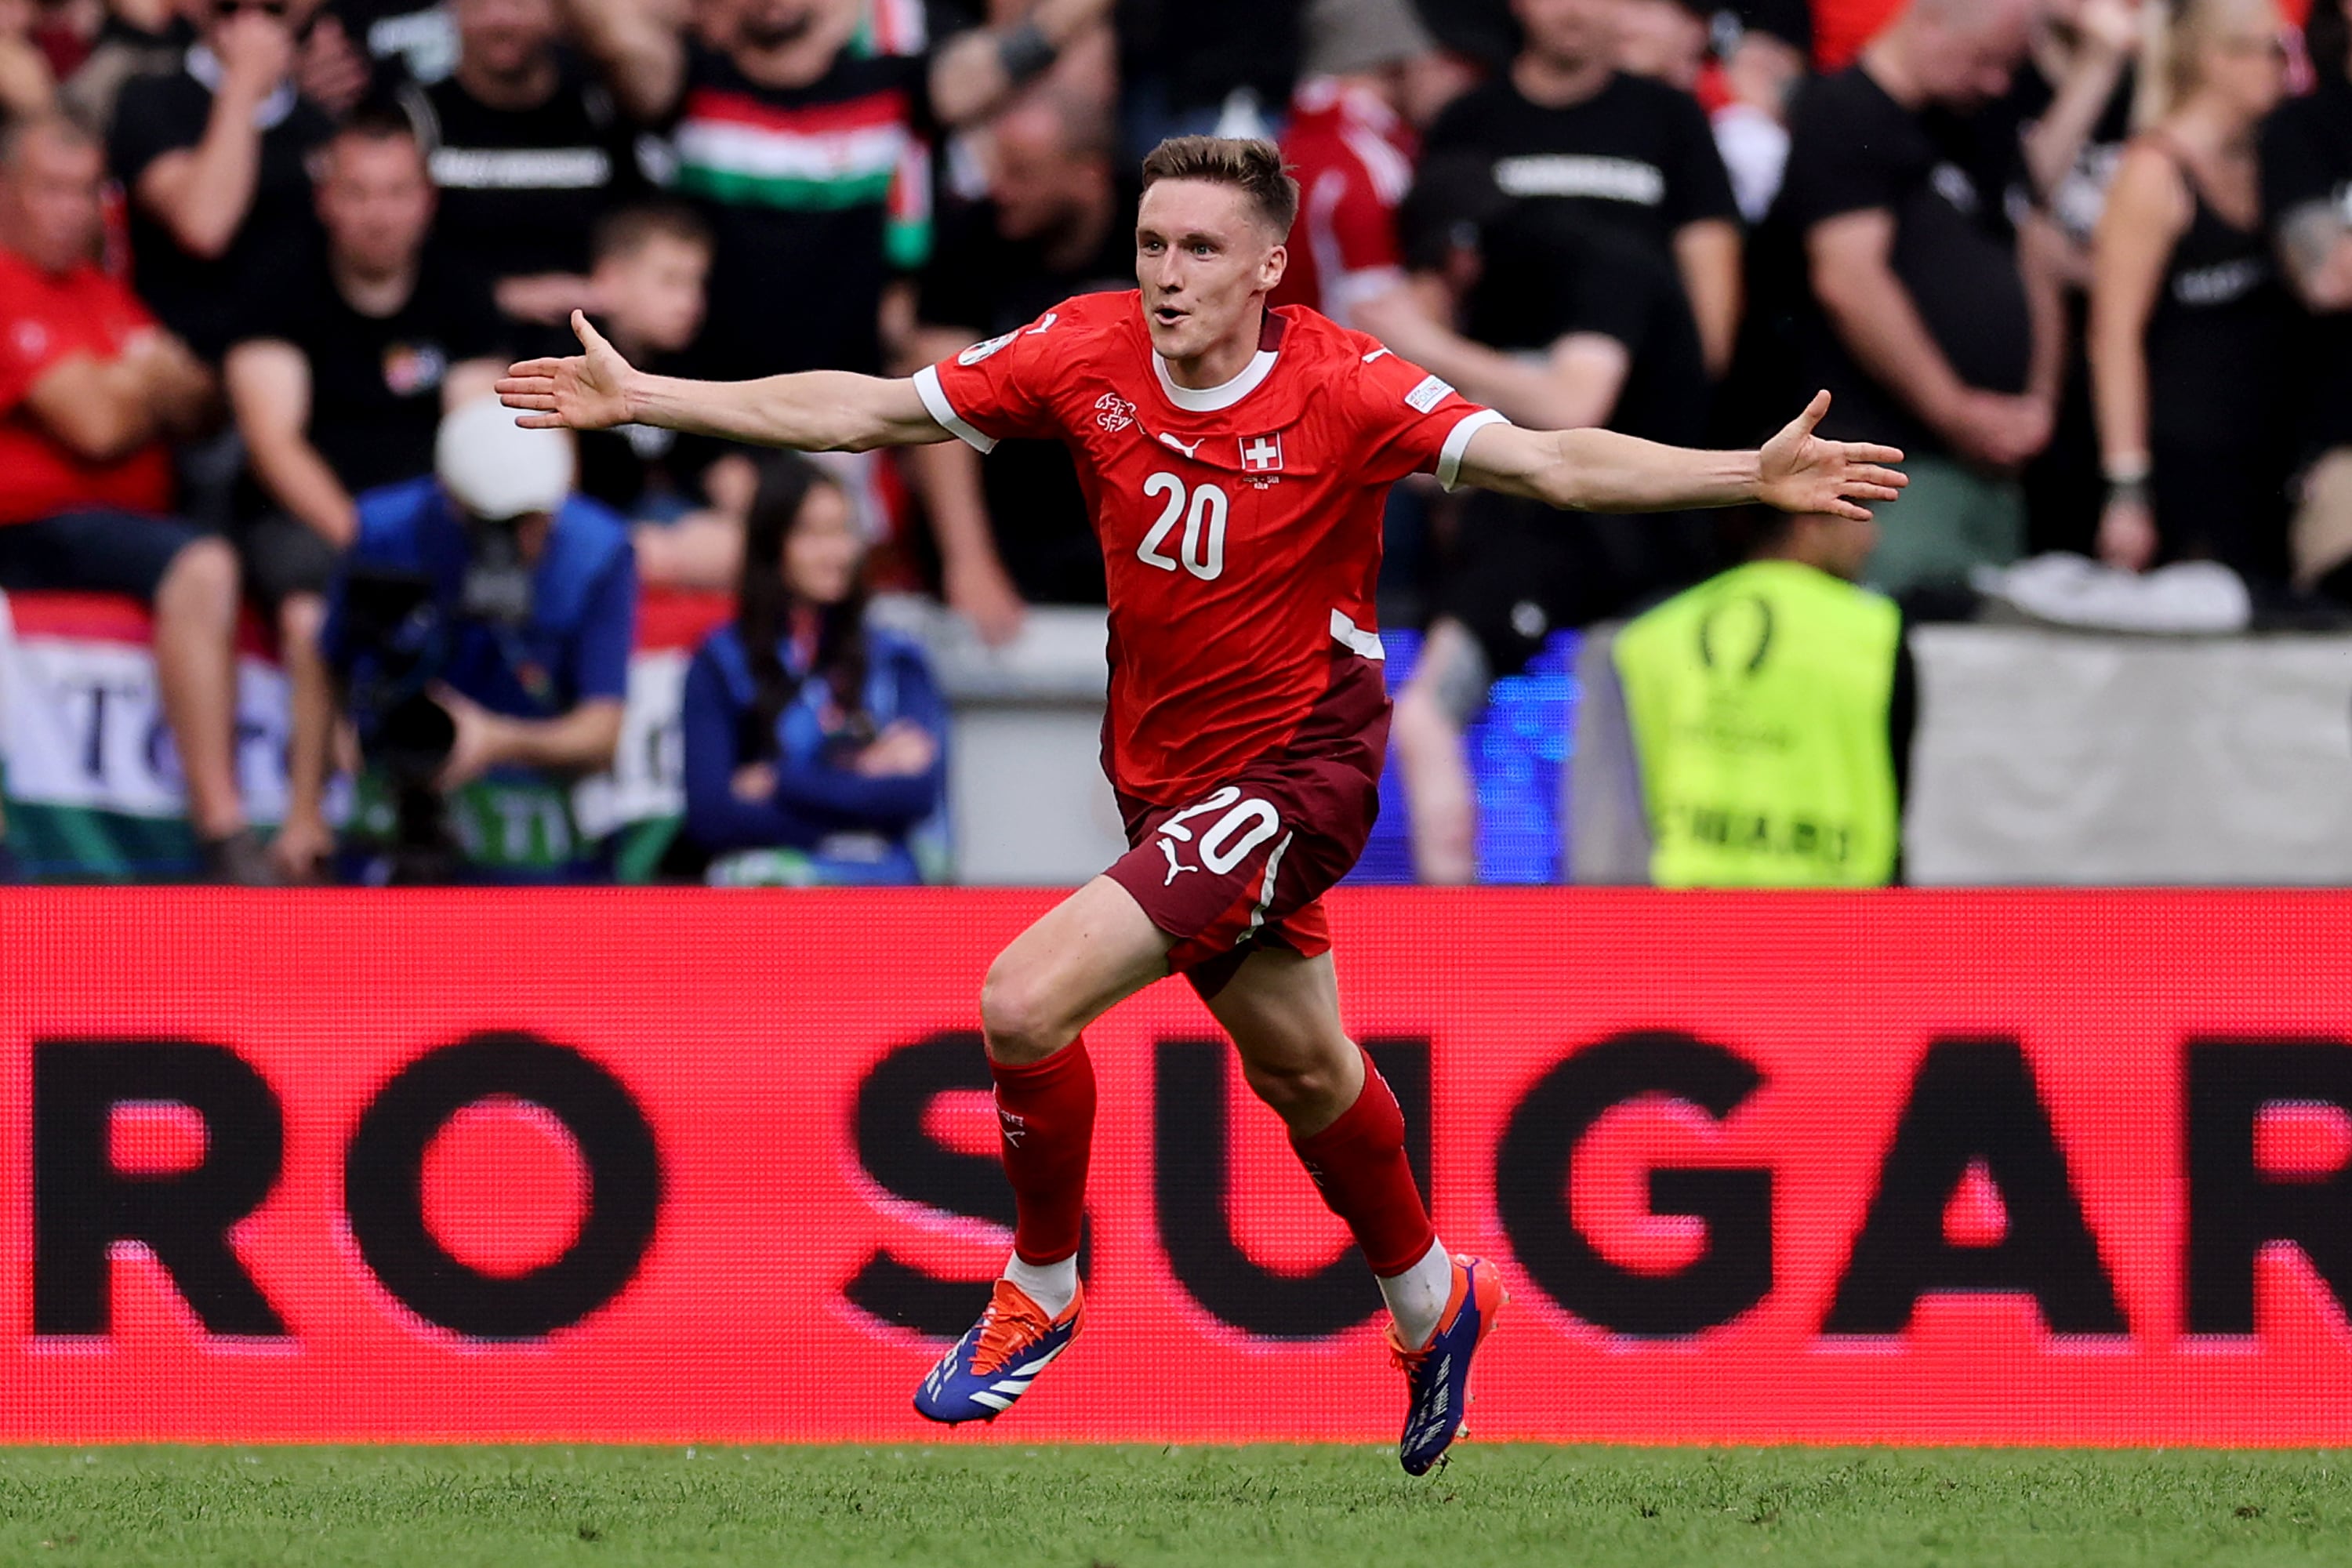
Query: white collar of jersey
point(1215, 399)
point(206, 67)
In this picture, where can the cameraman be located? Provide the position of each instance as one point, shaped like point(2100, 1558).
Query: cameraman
point(481, 634)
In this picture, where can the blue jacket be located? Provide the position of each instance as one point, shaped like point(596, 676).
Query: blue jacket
point(584, 602)
point(817, 804)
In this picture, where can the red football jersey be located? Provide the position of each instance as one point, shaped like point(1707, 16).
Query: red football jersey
point(1240, 525)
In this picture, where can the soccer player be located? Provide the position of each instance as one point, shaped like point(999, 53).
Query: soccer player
point(1235, 460)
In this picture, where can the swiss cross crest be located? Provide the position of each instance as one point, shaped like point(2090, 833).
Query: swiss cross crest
point(1114, 412)
point(1262, 455)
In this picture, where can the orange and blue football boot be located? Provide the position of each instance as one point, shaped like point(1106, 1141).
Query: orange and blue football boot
point(984, 1371)
point(1437, 1376)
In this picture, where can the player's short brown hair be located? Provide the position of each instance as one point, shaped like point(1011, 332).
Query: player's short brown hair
point(1249, 165)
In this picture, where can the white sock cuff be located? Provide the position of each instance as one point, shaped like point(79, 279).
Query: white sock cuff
point(1053, 1286)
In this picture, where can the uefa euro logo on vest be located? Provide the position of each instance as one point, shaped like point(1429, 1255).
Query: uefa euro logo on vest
point(1759, 703)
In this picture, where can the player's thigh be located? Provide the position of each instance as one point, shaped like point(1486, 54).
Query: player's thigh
point(1283, 1013)
point(1084, 956)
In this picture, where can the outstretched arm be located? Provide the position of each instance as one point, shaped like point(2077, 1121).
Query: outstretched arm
point(1600, 470)
point(816, 411)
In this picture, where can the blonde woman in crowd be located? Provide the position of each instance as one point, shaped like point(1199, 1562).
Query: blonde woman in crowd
point(2189, 322)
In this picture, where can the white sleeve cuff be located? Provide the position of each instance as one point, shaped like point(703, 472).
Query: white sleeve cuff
point(936, 404)
point(1449, 458)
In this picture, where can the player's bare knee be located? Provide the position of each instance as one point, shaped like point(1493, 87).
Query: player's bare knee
point(1296, 1088)
point(1021, 1016)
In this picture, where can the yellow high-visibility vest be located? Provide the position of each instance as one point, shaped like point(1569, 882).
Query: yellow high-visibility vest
point(1759, 702)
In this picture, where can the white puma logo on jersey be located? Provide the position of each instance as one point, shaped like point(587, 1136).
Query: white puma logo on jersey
point(1373, 355)
point(1179, 445)
point(1174, 865)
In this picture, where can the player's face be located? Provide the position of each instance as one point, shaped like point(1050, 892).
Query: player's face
point(823, 551)
point(1204, 257)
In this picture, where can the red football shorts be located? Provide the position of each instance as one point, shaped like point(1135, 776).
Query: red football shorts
point(1248, 861)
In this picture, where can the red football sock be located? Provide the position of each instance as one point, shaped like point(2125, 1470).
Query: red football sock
point(1045, 1122)
point(1358, 1164)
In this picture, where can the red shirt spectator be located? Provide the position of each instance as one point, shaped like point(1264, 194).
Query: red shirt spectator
point(90, 391)
point(1352, 154)
point(46, 318)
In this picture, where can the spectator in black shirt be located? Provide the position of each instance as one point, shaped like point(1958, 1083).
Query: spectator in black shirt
point(1565, 326)
point(1911, 294)
point(1014, 531)
point(1623, 152)
point(526, 150)
point(2188, 322)
point(213, 158)
point(344, 394)
point(2306, 158)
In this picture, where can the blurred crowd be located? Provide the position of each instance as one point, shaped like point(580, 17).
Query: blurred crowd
point(2089, 262)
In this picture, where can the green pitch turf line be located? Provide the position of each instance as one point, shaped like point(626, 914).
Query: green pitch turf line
point(1000, 1507)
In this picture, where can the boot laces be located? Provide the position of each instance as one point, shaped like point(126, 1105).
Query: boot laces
point(1012, 1323)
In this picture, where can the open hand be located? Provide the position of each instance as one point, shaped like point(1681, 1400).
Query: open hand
point(1802, 473)
point(585, 392)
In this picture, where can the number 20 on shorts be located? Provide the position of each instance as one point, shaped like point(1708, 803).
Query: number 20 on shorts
point(1253, 820)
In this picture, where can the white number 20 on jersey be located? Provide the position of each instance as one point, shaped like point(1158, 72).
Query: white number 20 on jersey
point(1204, 528)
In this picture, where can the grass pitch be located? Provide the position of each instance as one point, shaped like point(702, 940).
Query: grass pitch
point(1132, 1507)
